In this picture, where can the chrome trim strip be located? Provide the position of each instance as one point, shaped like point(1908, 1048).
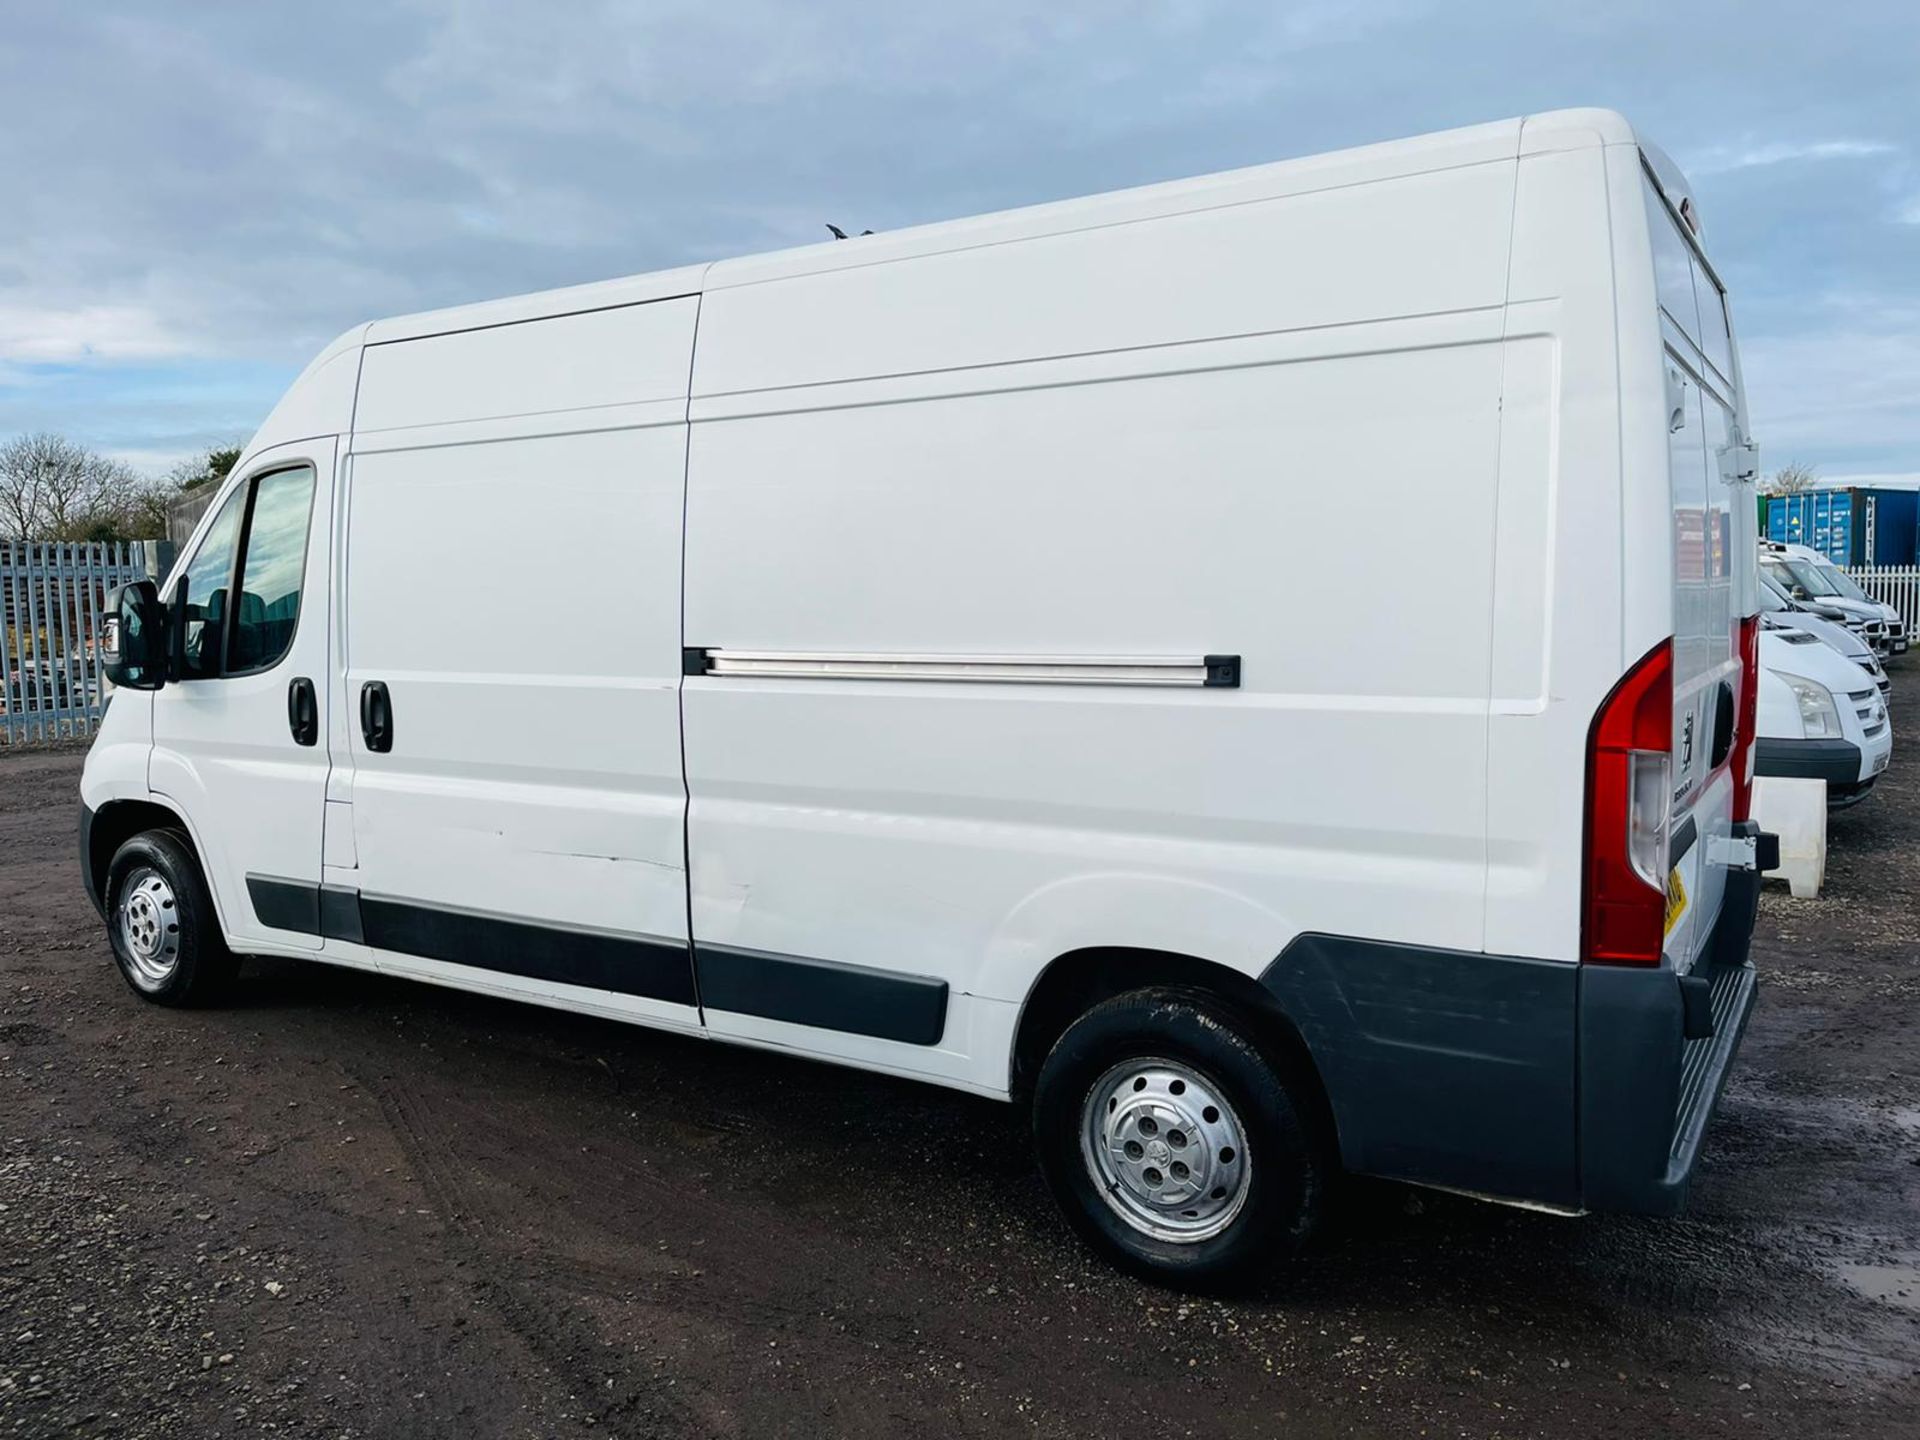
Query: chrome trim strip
point(1162, 670)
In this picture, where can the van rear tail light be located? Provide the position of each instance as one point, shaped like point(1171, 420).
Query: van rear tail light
point(1629, 802)
point(1650, 799)
point(1747, 719)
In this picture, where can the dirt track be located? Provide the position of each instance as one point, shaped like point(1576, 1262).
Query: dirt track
point(349, 1206)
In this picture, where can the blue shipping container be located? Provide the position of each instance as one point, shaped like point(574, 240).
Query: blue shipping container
point(1857, 526)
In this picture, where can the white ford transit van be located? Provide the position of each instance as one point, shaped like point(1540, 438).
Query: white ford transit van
point(1779, 613)
point(1808, 577)
point(1820, 716)
point(884, 652)
point(1839, 587)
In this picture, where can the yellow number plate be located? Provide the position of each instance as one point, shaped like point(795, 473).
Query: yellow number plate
point(1676, 899)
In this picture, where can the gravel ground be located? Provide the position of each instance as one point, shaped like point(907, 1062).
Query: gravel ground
point(349, 1206)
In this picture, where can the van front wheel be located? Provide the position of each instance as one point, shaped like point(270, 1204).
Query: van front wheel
point(1175, 1144)
point(161, 923)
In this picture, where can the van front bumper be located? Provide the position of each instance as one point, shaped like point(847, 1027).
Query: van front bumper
point(1835, 761)
point(1648, 1090)
point(86, 860)
point(1850, 770)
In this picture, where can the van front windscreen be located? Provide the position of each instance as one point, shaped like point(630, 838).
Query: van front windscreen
point(1843, 583)
point(1812, 577)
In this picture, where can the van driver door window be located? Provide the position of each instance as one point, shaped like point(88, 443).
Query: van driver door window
point(203, 592)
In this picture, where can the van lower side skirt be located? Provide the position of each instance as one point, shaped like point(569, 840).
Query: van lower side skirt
point(825, 994)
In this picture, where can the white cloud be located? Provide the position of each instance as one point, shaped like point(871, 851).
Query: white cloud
point(1720, 159)
point(43, 335)
point(1817, 394)
point(152, 462)
point(206, 204)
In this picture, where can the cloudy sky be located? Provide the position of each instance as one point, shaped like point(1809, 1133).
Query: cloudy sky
point(199, 195)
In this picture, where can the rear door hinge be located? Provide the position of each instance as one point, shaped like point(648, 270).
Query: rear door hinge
point(1733, 852)
point(1739, 463)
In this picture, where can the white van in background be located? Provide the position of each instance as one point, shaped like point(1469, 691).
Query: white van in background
point(1807, 576)
point(1822, 717)
point(1843, 589)
point(1777, 612)
point(886, 652)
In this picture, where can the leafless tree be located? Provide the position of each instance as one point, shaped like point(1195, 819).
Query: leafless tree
point(52, 488)
point(40, 476)
point(1791, 479)
point(129, 507)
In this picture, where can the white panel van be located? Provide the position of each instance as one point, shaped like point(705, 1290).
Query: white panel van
point(1821, 716)
point(890, 652)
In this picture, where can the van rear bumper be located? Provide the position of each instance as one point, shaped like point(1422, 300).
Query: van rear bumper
point(1567, 1085)
point(1647, 1092)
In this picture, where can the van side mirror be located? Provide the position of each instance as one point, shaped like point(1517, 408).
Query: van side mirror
point(132, 643)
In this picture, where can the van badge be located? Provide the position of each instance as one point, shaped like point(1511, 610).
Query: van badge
point(1686, 743)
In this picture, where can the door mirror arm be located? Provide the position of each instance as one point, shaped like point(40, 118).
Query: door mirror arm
point(177, 632)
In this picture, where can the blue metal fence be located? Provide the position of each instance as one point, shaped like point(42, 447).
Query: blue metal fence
point(51, 596)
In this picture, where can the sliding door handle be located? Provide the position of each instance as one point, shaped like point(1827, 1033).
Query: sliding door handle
point(376, 716)
point(303, 712)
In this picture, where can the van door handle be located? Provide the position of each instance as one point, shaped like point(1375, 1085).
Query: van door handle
point(376, 716)
point(303, 712)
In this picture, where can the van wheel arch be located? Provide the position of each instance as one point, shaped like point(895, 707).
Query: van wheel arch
point(1077, 981)
point(118, 821)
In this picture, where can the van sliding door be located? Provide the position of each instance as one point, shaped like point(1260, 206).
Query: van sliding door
point(511, 666)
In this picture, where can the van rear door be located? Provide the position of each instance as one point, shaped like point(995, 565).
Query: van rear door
point(1713, 537)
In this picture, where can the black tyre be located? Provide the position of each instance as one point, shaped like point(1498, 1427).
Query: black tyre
point(161, 923)
point(1178, 1145)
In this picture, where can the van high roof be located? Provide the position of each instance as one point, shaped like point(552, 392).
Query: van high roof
point(1550, 131)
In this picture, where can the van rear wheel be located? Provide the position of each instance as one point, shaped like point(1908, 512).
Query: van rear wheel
point(1176, 1144)
point(161, 923)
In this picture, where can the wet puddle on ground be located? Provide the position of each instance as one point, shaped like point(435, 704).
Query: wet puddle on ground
point(1846, 1215)
point(1897, 1283)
